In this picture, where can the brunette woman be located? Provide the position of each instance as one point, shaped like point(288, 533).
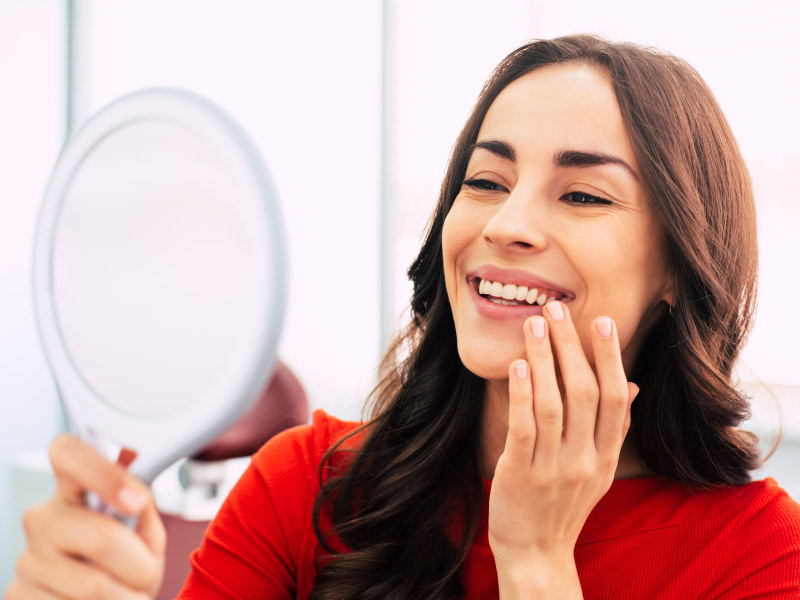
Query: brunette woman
point(590, 268)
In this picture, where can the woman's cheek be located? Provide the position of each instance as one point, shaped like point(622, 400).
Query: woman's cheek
point(448, 254)
point(461, 228)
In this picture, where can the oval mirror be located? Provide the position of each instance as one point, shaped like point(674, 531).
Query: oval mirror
point(159, 276)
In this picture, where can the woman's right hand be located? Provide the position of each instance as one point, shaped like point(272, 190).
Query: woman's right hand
point(75, 552)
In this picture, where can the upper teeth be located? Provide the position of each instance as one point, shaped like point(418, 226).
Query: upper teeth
point(509, 291)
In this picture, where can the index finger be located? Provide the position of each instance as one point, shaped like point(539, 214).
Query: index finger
point(80, 468)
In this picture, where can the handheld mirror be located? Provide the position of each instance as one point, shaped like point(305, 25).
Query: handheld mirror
point(159, 276)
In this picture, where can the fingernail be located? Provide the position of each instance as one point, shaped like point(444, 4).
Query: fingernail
point(537, 327)
point(604, 327)
point(131, 500)
point(521, 369)
point(555, 310)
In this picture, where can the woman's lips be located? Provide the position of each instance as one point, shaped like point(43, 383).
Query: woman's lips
point(510, 293)
point(519, 278)
point(495, 310)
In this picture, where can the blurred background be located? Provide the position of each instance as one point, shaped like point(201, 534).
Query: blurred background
point(355, 105)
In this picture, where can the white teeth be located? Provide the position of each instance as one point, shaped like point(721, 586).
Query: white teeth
point(503, 302)
point(501, 293)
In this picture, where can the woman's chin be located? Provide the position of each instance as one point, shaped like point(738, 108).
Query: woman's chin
point(488, 365)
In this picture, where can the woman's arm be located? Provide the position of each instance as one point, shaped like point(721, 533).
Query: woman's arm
point(560, 454)
point(261, 543)
point(246, 553)
point(761, 557)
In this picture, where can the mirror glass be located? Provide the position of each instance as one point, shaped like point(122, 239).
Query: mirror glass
point(154, 271)
point(159, 275)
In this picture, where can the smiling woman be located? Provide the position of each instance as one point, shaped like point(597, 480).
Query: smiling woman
point(589, 269)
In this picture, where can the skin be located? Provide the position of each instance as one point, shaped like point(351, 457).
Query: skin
point(553, 434)
point(553, 438)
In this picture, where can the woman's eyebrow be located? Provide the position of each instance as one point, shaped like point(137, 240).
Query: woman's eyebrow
point(498, 147)
point(580, 158)
point(562, 158)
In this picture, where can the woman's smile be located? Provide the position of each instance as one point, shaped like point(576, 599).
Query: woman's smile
point(511, 293)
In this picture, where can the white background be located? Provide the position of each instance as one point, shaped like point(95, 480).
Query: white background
point(306, 80)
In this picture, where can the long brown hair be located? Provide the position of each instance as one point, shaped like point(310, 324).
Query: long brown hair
point(393, 503)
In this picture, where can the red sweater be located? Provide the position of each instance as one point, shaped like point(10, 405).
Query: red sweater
point(646, 538)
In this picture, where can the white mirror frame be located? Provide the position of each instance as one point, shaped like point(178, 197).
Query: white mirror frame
point(159, 442)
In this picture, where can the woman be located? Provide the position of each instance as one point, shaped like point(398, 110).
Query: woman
point(595, 228)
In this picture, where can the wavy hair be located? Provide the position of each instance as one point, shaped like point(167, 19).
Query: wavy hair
point(405, 501)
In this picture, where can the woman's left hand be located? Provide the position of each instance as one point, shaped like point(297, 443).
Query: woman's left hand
point(560, 454)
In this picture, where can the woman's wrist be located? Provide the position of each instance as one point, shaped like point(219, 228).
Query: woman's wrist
point(548, 577)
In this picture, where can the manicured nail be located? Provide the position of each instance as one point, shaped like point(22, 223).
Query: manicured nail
point(555, 310)
point(521, 369)
point(604, 327)
point(131, 500)
point(537, 327)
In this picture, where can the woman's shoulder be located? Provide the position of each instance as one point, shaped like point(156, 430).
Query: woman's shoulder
point(761, 544)
point(763, 516)
point(765, 513)
point(266, 520)
point(653, 502)
point(755, 507)
point(728, 541)
point(765, 499)
point(760, 500)
point(302, 447)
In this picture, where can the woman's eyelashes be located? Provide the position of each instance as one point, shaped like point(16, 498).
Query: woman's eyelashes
point(485, 185)
point(575, 198)
point(582, 198)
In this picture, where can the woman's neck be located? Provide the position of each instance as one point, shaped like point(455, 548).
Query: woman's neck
point(495, 429)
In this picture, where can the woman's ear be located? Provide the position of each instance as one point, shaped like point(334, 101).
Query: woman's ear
point(668, 291)
point(669, 299)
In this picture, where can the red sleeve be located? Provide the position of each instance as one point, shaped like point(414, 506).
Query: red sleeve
point(259, 543)
point(764, 552)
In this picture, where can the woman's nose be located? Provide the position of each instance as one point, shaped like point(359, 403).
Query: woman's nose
point(518, 224)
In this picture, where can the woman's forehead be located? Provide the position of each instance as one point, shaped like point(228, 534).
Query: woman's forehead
point(559, 107)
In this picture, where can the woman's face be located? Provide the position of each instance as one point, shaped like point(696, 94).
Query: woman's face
point(552, 207)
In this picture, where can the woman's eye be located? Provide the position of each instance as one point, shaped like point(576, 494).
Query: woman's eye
point(485, 185)
point(580, 198)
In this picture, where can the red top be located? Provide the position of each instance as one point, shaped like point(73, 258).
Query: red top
point(646, 538)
